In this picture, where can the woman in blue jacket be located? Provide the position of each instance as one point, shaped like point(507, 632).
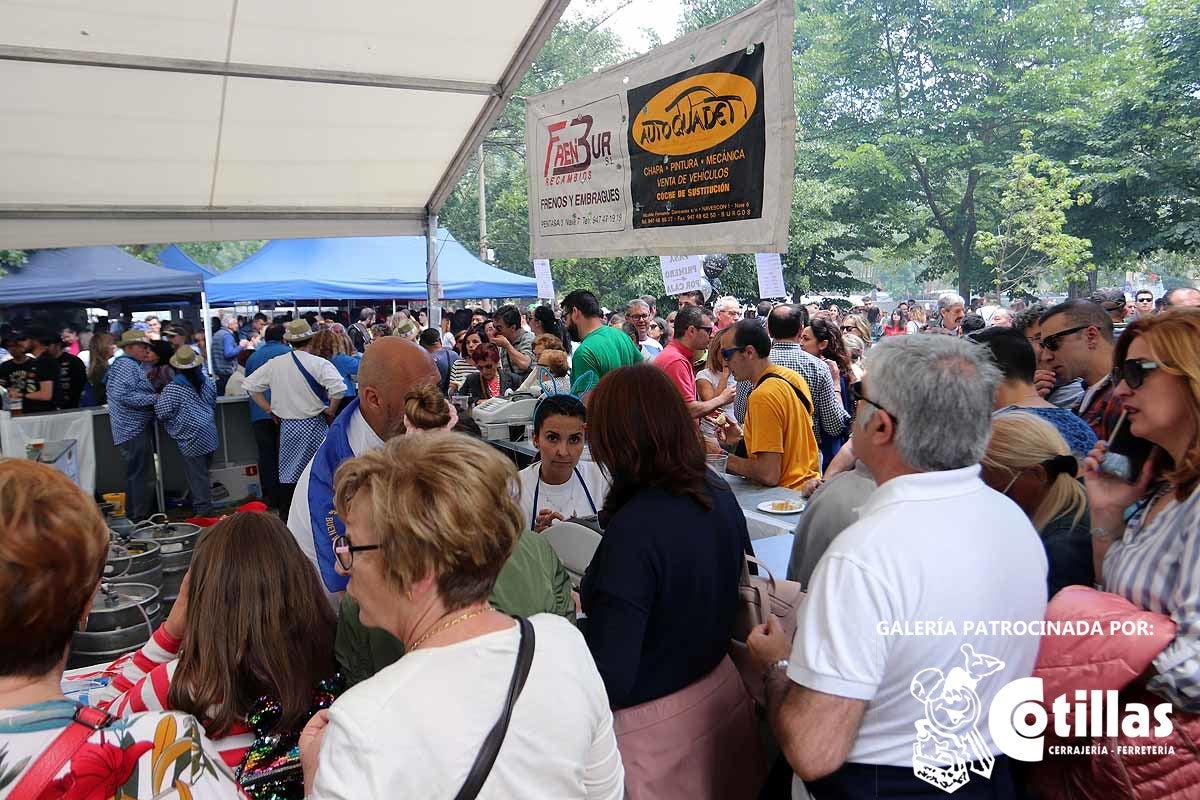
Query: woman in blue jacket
point(187, 409)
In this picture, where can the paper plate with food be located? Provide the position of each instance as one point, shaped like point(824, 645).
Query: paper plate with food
point(781, 506)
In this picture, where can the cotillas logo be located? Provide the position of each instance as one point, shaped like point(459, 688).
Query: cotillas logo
point(1018, 718)
point(694, 114)
point(572, 146)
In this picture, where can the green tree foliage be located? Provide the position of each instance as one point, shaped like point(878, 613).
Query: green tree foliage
point(11, 260)
point(1030, 248)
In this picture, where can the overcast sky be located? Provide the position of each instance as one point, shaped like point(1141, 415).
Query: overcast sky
point(660, 15)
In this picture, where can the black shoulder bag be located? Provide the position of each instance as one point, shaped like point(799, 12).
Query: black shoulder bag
point(491, 745)
point(740, 450)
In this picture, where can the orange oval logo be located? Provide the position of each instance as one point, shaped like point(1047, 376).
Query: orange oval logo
point(695, 114)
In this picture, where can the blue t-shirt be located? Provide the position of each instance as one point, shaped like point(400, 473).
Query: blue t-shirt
point(347, 366)
point(1079, 435)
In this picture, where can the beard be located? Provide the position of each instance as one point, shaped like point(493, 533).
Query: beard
point(573, 331)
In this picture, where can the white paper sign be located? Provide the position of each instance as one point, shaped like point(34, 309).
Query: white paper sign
point(681, 273)
point(770, 275)
point(545, 282)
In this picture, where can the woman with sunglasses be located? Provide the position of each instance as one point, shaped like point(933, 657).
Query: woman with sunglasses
point(1152, 560)
point(852, 323)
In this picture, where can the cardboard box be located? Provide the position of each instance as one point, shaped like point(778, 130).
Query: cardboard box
point(234, 483)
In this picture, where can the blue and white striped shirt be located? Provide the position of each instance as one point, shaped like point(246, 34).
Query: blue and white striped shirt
point(188, 417)
point(130, 399)
point(1155, 567)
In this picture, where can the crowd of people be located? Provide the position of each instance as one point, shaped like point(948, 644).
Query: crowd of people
point(364, 643)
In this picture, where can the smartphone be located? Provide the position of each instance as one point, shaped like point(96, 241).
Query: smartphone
point(1127, 453)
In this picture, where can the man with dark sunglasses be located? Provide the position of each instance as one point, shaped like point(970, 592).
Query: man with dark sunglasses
point(693, 332)
point(1077, 342)
point(780, 445)
point(1143, 302)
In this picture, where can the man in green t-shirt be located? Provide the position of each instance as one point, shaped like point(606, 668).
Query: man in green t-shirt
point(601, 348)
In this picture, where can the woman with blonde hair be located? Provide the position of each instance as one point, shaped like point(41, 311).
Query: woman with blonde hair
point(714, 378)
point(916, 319)
point(53, 546)
point(430, 522)
point(1028, 460)
point(101, 351)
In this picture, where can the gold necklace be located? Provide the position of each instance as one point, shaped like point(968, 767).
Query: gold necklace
point(444, 626)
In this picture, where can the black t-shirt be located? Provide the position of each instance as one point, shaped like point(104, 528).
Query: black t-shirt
point(661, 592)
point(69, 382)
point(26, 378)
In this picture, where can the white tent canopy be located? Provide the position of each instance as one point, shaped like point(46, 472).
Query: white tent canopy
point(172, 120)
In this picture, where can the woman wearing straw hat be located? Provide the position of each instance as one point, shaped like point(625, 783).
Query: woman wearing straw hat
point(186, 409)
point(305, 393)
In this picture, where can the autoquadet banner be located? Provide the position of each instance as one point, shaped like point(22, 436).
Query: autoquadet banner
point(687, 148)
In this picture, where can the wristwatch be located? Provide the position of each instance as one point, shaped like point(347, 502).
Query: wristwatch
point(780, 664)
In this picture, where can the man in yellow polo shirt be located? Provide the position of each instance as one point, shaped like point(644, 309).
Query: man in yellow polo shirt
point(781, 449)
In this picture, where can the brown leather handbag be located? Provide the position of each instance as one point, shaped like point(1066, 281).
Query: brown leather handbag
point(758, 596)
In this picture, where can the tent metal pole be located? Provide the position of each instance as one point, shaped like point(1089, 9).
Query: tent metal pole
point(433, 283)
point(206, 326)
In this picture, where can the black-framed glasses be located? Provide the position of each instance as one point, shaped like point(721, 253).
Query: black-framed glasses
point(706, 328)
point(729, 352)
point(849, 328)
point(1149, 299)
point(1054, 341)
point(637, 316)
point(344, 551)
point(1133, 371)
point(856, 394)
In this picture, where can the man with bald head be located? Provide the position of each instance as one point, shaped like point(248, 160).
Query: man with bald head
point(1183, 296)
point(390, 367)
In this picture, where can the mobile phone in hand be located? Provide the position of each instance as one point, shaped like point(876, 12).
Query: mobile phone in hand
point(1127, 454)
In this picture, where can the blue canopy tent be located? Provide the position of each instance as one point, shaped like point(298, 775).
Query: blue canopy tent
point(372, 267)
point(93, 274)
point(173, 257)
point(98, 275)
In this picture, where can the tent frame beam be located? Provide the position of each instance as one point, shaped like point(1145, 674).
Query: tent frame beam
point(517, 67)
point(85, 58)
point(211, 212)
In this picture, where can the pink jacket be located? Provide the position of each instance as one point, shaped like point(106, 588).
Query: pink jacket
point(1112, 661)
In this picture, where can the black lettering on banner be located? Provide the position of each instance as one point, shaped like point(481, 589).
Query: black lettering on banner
point(697, 144)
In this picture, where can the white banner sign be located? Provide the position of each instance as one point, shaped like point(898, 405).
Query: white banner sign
point(689, 147)
point(681, 273)
point(545, 282)
point(770, 275)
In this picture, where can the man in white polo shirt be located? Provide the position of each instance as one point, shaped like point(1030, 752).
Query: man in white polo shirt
point(898, 651)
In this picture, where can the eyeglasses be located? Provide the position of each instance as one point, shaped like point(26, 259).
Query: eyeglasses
point(637, 316)
point(1054, 340)
point(344, 551)
point(856, 394)
point(729, 352)
point(1149, 299)
point(1133, 371)
point(848, 328)
point(706, 328)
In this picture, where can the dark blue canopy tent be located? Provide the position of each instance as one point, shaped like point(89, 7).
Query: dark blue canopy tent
point(173, 257)
point(93, 275)
point(371, 267)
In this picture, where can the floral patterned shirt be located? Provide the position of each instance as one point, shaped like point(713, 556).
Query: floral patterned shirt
point(160, 755)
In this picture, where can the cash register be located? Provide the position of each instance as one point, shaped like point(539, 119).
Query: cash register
point(505, 418)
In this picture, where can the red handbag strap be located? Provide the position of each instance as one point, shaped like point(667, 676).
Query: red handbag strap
point(84, 723)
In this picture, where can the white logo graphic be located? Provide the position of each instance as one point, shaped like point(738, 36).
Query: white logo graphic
point(948, 740)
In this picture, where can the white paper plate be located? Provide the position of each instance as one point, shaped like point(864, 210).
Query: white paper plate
point(766, 508)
